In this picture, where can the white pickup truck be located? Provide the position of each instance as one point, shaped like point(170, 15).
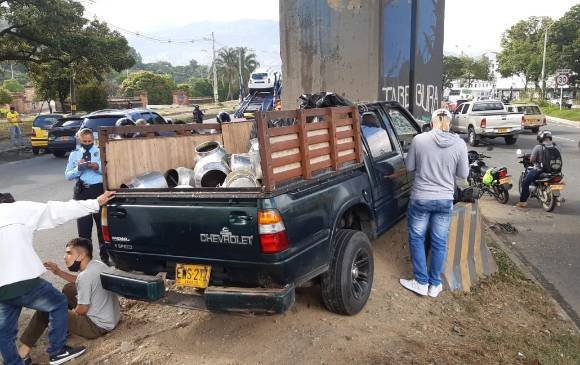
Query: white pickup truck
point(487, 119)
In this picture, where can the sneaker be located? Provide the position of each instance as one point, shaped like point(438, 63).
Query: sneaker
point(414, 286)
point(521, 204)
point(67, 353)
point(434, 290)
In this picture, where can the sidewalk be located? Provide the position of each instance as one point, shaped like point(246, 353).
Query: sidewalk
point(563, 121)
point(5, 145)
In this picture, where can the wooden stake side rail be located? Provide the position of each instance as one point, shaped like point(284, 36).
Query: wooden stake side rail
point(325, 138)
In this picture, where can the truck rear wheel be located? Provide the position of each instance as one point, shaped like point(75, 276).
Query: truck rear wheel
point(472, 137)
point(346, 286)
point(509, 140)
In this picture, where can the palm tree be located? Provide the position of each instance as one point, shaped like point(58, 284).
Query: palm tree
point(228, 67)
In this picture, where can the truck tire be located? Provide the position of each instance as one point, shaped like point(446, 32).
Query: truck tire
point(509, 140)
point(472, 137)
point(535, 130)
point(346, 286)
point(36, 150)
point(59, 154)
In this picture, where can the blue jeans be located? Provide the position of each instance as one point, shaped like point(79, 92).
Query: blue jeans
point(43, 298)
point(16, 135)
point(530, 176)
point(435, 215)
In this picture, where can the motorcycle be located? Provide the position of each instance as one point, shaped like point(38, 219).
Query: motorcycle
point(547, 186)
point(493, 181)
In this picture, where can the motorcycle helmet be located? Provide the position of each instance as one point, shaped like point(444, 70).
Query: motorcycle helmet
point(223, 117)
point(124, 122)
point(543, 135)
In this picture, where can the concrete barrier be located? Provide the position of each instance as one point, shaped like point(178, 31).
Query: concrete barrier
point(468, 257)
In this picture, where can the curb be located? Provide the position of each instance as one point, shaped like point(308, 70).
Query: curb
point(532, 274)
point(564, 121)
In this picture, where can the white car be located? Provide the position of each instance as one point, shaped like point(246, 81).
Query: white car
point(263, 78)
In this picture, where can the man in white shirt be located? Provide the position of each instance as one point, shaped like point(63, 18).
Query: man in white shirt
point(21, 268)
point(93, 311)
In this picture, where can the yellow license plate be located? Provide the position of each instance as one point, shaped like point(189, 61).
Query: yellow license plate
point(505, 180)
point(194, 276)
point(503, 130)
point(556, 187)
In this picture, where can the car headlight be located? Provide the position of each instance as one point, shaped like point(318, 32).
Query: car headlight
point(51, 138)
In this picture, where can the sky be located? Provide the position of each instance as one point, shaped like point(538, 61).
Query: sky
point(471, 26)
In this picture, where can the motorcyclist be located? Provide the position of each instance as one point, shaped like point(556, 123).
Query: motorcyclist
point(544, 140)
point(223, 117)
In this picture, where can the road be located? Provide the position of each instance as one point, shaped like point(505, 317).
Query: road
point(547, 242)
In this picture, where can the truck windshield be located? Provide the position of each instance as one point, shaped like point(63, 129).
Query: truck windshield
point(259, 76)
point(480, 107)
point(529, 110)
point(104, 121)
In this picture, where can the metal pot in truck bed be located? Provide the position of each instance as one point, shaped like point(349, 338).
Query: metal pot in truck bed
point(329, 188)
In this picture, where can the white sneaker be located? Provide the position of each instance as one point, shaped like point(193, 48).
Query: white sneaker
point(434, 290)
point(414, 286)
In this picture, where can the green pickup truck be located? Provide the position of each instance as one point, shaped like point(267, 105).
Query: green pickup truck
point(253, 247)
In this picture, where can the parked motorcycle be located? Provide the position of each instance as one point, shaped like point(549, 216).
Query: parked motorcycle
point(547, 186)
point(493, 181)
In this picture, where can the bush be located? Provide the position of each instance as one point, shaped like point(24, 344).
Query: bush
point(159, 87)
point(5, 97)
point(200, 87)
point(184, 87)
point(13, 86)
point(92, 96)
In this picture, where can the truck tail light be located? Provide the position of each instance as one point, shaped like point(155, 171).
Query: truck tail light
point(502, 173)
point(483, 123)
point(523, 122)
point(105, 225)
point(273, 236)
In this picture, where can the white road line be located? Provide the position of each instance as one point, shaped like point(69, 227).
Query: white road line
point(565, 139)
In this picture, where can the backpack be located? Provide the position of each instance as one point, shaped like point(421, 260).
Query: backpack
point(550, 159)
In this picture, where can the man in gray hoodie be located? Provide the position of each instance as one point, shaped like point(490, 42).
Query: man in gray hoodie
point(437, 158)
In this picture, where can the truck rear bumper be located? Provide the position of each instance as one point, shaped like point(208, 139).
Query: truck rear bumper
point(494, 133)
point(216, 298)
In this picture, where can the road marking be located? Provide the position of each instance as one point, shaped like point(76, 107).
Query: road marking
point(565, 124)
point(565, 139)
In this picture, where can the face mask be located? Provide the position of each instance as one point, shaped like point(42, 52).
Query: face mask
point(87, 146)
point(75, 267)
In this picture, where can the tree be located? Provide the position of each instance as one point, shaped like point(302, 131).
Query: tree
point(475, 69)
point(13, 86)
point(5, 97)
point(452, 69)
point(228, 67)
point(92, 96)
point(564, 44)
point(159, 87)
point(200, 87)
point(51, 81)
point(522, 49)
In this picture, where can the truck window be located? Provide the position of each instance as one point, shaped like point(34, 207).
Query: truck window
point(465, 108)
point(158, 119)
point(404, 128)
point(375, 135)
point(480, 107)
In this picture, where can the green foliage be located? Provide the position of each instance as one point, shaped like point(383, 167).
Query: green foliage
point(179, 73)
point(184, 87)
point(522, 49)
point(564, 44)
point(201, 87)
point(228, 67)
point(92, 96)
point(5, 97)
point(13, 86)
point(159, 87)
point(465, 68)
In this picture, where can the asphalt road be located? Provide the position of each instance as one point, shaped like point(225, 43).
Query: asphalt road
point(548, 243)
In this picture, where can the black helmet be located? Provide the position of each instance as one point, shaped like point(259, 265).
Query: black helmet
point(223, 117)
point(124, 122)
point(543, 135)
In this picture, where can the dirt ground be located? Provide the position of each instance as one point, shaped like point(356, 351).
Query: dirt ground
point(504, 320)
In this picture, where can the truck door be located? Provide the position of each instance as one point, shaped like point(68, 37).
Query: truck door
point(402, 128)
point(388, 169)
point(461, 118)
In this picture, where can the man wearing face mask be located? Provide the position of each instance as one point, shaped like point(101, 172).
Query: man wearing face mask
point(84, 166)
point(93, 311)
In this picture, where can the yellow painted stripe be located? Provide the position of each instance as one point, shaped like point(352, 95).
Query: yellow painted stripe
point(451, 242)
point(463, 266)
point(477, 246)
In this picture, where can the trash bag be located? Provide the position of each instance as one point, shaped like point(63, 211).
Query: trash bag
point(322, 100)
point(488, 178)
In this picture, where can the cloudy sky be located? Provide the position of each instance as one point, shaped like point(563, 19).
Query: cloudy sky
point(471, 26)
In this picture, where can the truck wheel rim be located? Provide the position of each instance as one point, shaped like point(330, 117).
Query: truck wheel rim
point(360, 272)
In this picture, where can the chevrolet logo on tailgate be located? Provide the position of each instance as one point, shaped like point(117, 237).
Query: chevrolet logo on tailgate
point(225, 236)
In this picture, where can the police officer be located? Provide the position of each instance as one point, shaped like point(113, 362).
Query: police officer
point(84, 166)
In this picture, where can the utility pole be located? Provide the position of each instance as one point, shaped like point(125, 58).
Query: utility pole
point(544, 64)
point(12, 69)
point(241, 76)
point(215, 84)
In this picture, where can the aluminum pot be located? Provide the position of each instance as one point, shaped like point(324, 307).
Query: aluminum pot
point(211, 168)
point(180, 176)
point(151, 180)
point(241, 161)
point(255, 157)
point(241, 179)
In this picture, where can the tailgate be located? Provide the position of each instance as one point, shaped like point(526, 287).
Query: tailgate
point(512, 121)
point(187, 229)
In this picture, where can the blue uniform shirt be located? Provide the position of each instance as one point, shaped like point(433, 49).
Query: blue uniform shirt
point(87, 176)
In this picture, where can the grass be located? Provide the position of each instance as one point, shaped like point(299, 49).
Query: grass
point(570, 114)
